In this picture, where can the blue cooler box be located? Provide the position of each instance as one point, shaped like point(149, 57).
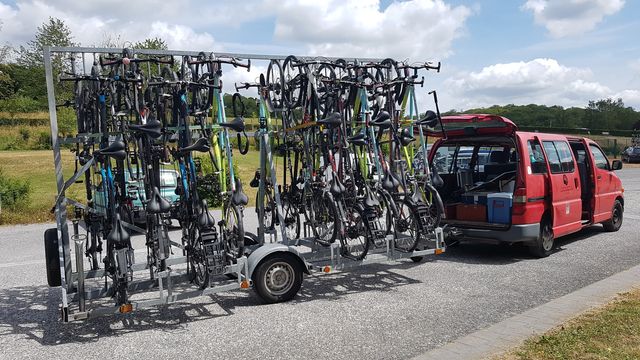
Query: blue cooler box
point(499, 207)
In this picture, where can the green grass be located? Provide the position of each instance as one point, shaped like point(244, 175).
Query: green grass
point(611, 332)
point(36, 167)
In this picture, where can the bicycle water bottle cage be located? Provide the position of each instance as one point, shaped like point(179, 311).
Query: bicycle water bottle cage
point(337, 187)
point(201, 145)
point(153, 128)
point(118, 235)
point(382, 121)
point(236, 124)
point(331, 121)
point(430, 119)
point(205, 220)
point(436, 180)
point(157, 204)
point(358, 140)
point(405, 137)
point(114, 150)
point(239, 197)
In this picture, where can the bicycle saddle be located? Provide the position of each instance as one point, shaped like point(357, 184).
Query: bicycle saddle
point(205, 220)
point(436, 180)
point(370, 201)
point(430, 119)
point(331, 121)
point(119, 236)
point(201, 145)
point(157, 204)
point(390, 182)
point(239, 197)
point(336, 186)
point(382, 121)
point(358, 139)
point(405, 137)
point(153, 128)
point(114, 150)
point(236, 124)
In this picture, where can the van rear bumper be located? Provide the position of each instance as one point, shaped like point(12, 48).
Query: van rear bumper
point(516, 233)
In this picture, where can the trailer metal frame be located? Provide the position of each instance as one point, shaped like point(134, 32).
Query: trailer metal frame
point(310, 255)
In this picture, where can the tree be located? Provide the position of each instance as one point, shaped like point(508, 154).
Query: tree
point(51, 33)
point(155, 43)
point(7, 85)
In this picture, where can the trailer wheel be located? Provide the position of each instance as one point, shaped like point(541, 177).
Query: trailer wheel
point(615, 222)
point(278, 278)
point(52, 257)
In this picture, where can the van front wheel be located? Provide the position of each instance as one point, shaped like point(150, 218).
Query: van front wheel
point(615, 222)
point(543, 245)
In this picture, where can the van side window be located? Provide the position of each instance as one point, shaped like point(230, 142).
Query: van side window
point(552, 156)
point(599, 157)
point(566, 156)
point(538, 166)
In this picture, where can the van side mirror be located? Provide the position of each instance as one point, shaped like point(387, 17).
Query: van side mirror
point(616, 165)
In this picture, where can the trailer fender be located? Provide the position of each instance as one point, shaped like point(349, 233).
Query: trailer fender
point(264, 251)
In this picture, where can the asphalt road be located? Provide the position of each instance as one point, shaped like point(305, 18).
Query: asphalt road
point(379, 312)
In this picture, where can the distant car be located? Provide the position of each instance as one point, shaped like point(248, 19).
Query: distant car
point(135, 190)
point(631, 154)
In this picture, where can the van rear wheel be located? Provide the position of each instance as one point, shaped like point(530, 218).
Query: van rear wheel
point(615, 222)
point(543, 245)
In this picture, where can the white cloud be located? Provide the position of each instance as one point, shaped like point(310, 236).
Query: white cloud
point(417, 29)
point(539, 81)
point(571, 17)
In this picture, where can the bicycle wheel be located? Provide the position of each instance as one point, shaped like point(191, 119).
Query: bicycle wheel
point(269, 209)
point(355, 244)
point(292, 79)
point(291, 218)
point(325, 219)
point(234, 231)
point(407, 227)
point(275, 86)
point(197, 258)
point(434, 203)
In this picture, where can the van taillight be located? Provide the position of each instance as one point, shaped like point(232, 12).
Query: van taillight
point(519, 201)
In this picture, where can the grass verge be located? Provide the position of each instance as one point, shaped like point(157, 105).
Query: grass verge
point(36, 167)
point(610, 332)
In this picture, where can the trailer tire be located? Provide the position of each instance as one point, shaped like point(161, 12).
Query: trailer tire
point(52, 257)
point(278, 278)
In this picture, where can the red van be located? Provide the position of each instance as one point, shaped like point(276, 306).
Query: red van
point(514, 186)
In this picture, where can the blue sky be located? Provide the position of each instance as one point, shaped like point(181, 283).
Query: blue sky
point(554, 52)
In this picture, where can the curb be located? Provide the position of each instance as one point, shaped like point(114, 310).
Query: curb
point(513, 331)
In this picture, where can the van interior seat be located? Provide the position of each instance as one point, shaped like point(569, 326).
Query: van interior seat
point(582, 171)
point(498, 164)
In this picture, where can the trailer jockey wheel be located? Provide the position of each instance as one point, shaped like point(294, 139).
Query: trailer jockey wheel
point(278, 278)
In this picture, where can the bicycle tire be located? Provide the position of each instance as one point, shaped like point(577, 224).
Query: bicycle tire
point(275, 86)
point(196, 257)
point(326, 219)
point(356, 234)
point(234, 231)
point(407, 227)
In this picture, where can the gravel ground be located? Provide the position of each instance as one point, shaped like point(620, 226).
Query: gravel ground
point(381, 312)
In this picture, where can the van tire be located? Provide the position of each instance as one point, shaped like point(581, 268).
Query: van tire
point(543, 245)
point(615, 222)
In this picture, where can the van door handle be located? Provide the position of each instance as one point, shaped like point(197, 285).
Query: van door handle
point(575, 180)
point(599, 177)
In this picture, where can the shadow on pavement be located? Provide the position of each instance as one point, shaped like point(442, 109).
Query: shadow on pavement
point(470, 252)
point(34, 311)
